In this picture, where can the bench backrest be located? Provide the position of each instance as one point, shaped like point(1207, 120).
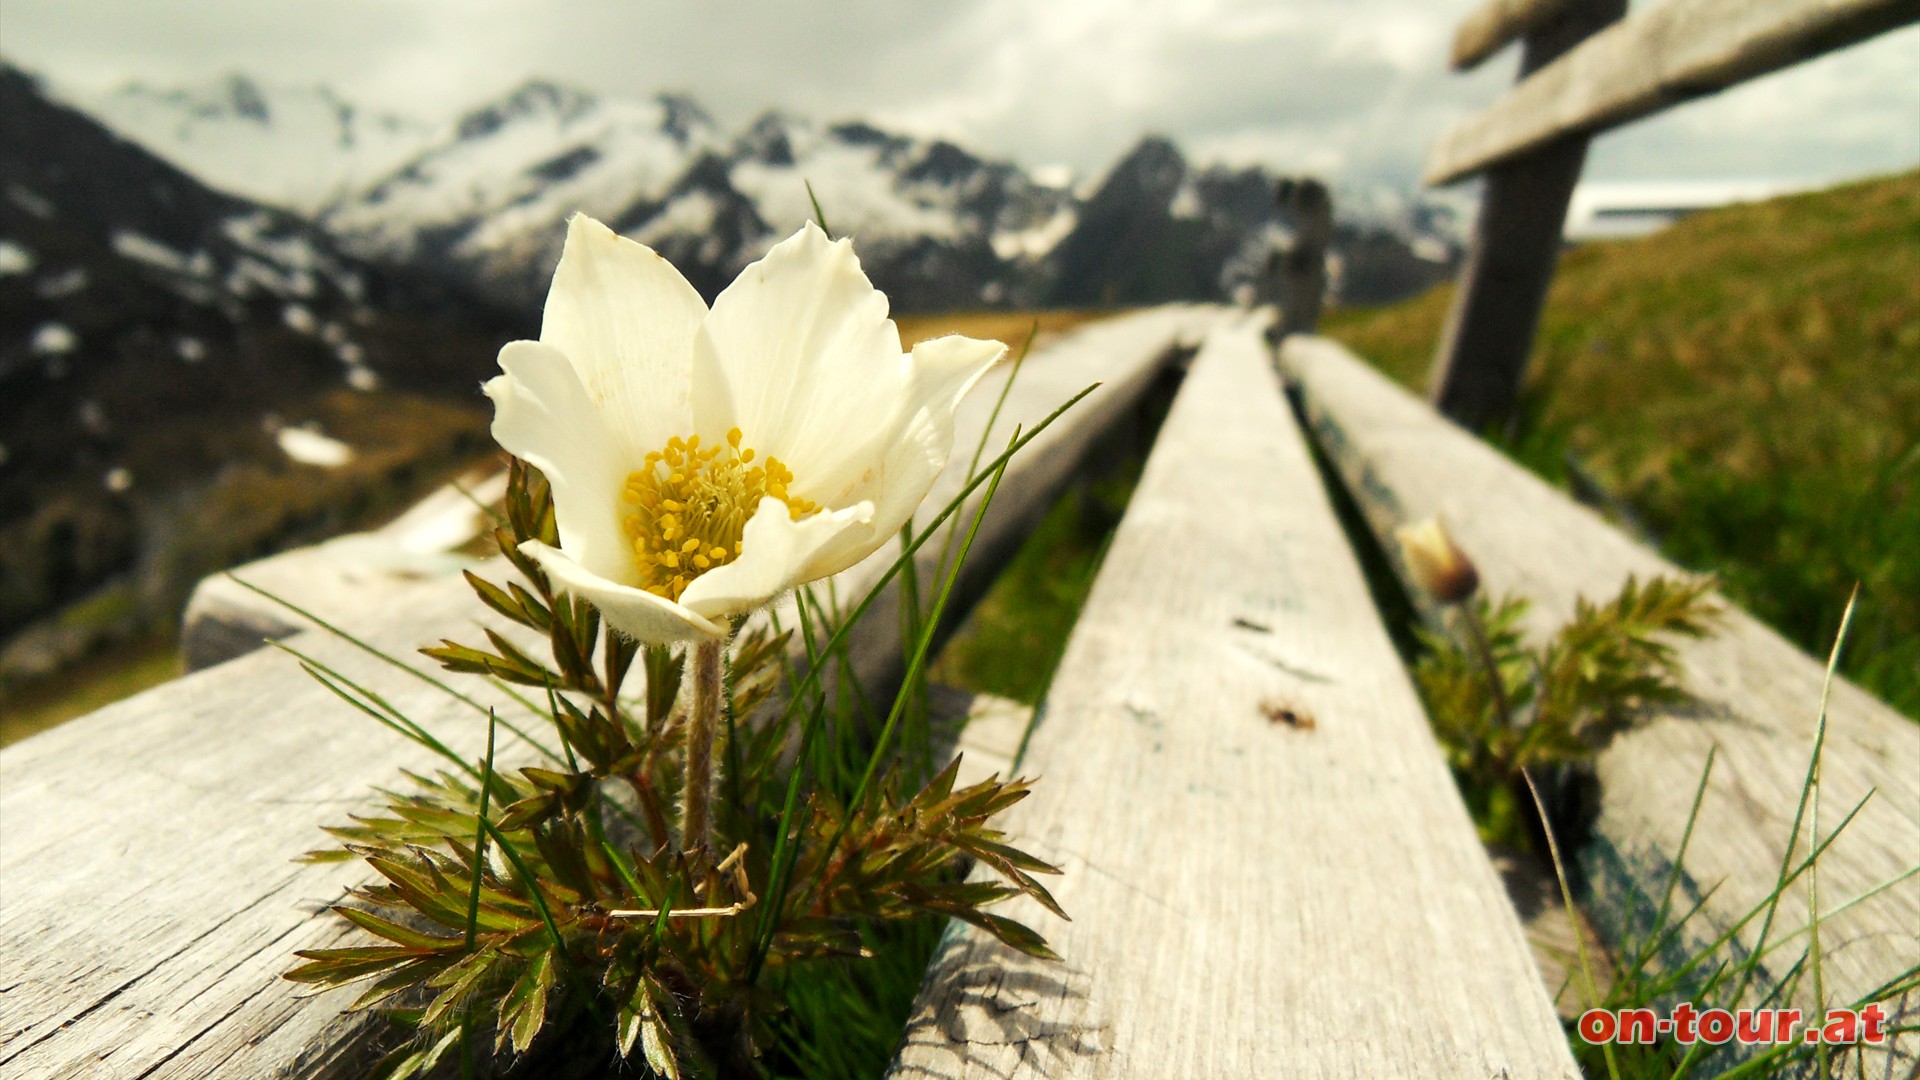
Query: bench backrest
point(1586, 70)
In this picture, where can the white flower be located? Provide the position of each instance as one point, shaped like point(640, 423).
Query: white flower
point(704, 462)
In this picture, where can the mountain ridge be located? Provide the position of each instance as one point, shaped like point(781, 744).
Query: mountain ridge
point(483, 201)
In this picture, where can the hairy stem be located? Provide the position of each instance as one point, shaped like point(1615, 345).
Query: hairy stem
point(697, 800)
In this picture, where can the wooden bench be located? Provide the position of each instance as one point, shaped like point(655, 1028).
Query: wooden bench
point(1758, 697)
point(1587, 67)
point(1583, 73)
point(150, 900)
point(1251, 896)
point(1268, 867)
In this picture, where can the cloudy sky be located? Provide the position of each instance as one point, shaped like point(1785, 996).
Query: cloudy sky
point(1355, 89)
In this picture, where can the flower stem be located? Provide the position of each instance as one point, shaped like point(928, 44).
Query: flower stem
point(696, 825)
point(1483, 651)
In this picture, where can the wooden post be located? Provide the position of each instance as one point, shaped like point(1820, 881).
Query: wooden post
point(1303, 268)
point(1496, 309)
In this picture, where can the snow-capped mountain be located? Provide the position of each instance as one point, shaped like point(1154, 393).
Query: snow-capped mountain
point(157, 326)
point(489, 202)
point(484, 204)
point(938, 224)
point(300, 148)
point(938, 227)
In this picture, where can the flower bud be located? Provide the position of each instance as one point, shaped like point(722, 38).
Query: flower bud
point(1436, 562)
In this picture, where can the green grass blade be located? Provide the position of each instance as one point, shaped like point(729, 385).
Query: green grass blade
point(1813, 824)
point(915, 664)
point(375, 706)
point(1686, 838)
point(383, 655)
point(812, 675)
point(986, 433)
point(819, 215)
point(1807, 785)
point(1856, 901)
point(771, 908)
point(480, 842)
point(1573, 915)
point(546, 915)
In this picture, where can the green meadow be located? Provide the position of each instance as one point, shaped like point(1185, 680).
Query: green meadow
point(1745, 388)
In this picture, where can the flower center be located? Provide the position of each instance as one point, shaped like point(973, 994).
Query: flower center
point(688, 506)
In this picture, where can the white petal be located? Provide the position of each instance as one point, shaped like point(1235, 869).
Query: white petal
point(799, 354)
point(776, 554)
point(627, 320)
point(634, 612)
point(897, 479)
point(543, 416)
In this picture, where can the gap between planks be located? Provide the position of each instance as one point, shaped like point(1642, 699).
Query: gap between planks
point(1757, 696)
point(1249, 897)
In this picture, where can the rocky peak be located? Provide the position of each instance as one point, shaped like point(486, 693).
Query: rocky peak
point(768, 140)
point(685, 119)
point(530, 99)
point(245, 99)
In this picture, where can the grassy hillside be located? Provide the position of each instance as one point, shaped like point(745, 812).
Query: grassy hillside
point(1748, 381)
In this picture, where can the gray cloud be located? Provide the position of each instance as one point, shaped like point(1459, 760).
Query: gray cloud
point(1355, 88)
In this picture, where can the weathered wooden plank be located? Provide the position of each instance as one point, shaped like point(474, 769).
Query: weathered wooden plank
point(1661, 56)
point(1481, 359)
point(343, 575)
point(351, 577)
point(1498, 23)
point(1758, 696)
point(984, 729)
point(149, 902)
point(1250, 897)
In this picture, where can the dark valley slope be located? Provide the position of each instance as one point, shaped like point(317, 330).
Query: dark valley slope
point(155, 339)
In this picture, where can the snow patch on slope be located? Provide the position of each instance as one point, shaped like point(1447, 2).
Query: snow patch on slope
point(309, 447)
point(857, 183)
point(296, 147)
point(521, 166)
point(14, 259)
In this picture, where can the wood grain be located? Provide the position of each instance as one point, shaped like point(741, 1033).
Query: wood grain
point(1498, 23)
point(341, 576)
point(1250, 898)
point(1659, 57)
point(1758, 696)
point(149, 901)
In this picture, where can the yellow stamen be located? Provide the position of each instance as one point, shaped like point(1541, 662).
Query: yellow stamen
point(689, 506)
